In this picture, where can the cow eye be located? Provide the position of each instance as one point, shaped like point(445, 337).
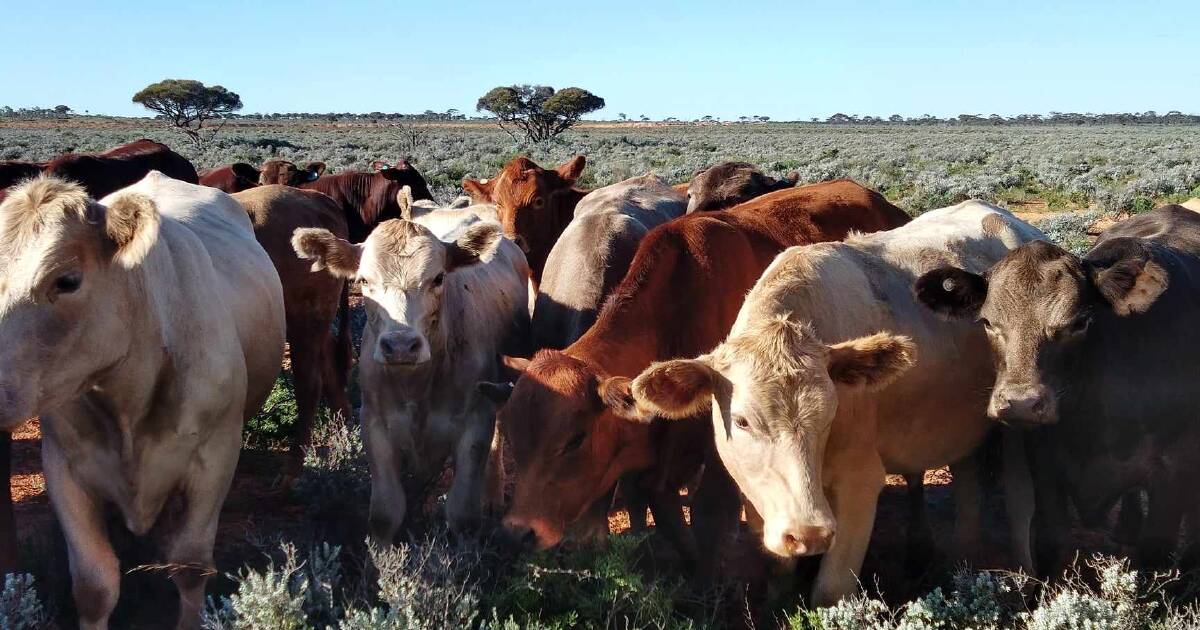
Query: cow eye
point(538, 202)
point(439, 279)
point(67, 283)
point(741, 422)
point(1076, 327)
point(575, 442)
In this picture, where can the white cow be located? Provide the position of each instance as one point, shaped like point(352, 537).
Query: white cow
point(143, 329)
point(812, 404)
point(439, 314)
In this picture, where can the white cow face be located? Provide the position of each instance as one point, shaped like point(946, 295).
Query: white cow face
point(773, 391)
point(402, 268)
point(64, 291)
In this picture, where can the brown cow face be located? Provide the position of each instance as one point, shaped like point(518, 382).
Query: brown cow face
point(65, 310)
point(286, 173)
point(1038, 305)
point(402, 268)
point(773, 390)
point(569, 447)
point(401, 174)
point(534, 204)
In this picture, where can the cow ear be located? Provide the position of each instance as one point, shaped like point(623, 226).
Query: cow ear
point(498, 393)
point(572, 168)
point(513, 367)
point(404, 200)
point(477, 244)
point(792, 178)
point(131, 223)
point(952, 292)
point(617, 396)
point(676, 389)
point(1132, 285)
point(315, 170)
point(379, 165)
point(327, 251)
point(403, 164)
point(479, 191)
point(245, 171)
point(872, 362)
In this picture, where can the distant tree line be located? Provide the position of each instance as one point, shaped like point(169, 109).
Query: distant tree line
point(38, 113)
point(1053, 118)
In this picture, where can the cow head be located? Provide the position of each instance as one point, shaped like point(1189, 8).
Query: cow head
point(402, 268)
point(730, 183)
point(286, 173)
point(534, 204)
point(1038, 306)
point(65, 311)
point(774, 390)
point(568, 444)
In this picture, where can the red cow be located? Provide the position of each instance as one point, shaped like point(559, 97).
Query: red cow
point(368, 199)
point(104, 173)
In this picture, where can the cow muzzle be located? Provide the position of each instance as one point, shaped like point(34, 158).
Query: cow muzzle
point(530, 534)
point(402, 347)
point(799, 540)
point(1027, 406)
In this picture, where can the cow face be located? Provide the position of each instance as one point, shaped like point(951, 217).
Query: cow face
point(65, 313)
point(286, 173)
point(534, 204)
point(568, 446)
point(773, 391)
point(401, 174)
point(402, 269)
point(728, 184)
point(1038, 306)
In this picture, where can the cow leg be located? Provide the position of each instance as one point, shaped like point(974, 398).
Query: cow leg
point(305, 344)
point(1129, 518)
point(919, 544)
point(636, 499)
point(1051, 518)
point(388, 500)
point(968, 521)
point(464, 504)
point(95, 571)
point(854, 497)
point(190, 548)
point(493, 498)
point(667, 507)
point(1160, 532)
point(8, 526)
point(715, 512)
point(1019, 500)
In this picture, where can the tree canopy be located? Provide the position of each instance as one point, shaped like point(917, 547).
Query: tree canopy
point(188, 104)
point(538, 110)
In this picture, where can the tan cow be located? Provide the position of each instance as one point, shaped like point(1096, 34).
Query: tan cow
point(812, 405)
point(439, 314)
point(143, 329)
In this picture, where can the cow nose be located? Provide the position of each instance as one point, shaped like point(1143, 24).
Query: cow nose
point(807, 540)
point(520, 534)
point(1024, 406)
point(403, 347)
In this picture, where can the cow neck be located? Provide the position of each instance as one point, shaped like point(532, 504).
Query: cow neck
point(616, 354)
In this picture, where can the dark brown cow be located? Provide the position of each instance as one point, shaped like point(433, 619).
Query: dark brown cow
point(681, 295)
point(239, 176)
point(729, 183)
point(368, 199)
point(1098, 356)
point(534, 204)
point(311, 300)
point(14, 171)
point(114, 169)
point(231, 178)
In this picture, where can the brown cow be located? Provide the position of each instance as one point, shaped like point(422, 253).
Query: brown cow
point(727, 184)
point(535, 205)
point(231, 178)
point(368, 199)
point(239, 176)
point(681, 295)
point(311, 300)
point(14, 171)
point(105, 173)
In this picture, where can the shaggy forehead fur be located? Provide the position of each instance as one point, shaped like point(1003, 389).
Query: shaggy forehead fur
point(773, 348)
point(404, 252)
point(40, 206)
point(1039, 282)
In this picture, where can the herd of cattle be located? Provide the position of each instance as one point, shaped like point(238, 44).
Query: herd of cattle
point(776, 349)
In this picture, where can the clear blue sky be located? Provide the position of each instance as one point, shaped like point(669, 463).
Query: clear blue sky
point(788, 60)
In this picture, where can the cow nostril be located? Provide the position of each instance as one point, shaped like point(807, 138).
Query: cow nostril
point(414, 346)
point(791, 542)
point(1039, 406)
